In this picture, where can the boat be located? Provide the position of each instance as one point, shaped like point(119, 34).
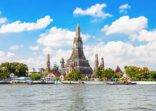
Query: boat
point(94, 82)
point(121, 83)
point(21, 80)
point(4, 82)
point(47, 80)
point(72, 82)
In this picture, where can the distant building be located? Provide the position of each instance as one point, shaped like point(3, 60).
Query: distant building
point(102, 64)
point(48, 63)
point(96, 63)
point(77, 59)
point(55, 74)
point(54, 71)
point(118, 71)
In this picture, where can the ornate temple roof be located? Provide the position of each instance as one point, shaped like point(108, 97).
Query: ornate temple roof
point(118, 70)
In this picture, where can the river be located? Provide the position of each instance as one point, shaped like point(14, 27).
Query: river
point(77, 97)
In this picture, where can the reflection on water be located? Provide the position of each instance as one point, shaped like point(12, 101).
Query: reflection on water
point(77, 98)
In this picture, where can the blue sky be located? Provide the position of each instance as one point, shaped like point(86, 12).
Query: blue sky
point(130, 25)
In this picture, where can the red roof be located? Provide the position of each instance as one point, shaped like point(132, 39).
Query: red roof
point(56, 73)
point(118, 70)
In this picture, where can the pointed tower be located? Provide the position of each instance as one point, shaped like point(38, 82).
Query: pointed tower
point(62, 63)
point(102, 63)
point(77, 46)
point(96, 61)
point(48, 63)
point(77, 59)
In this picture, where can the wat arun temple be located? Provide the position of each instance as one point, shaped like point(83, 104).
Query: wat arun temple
point(77, 59)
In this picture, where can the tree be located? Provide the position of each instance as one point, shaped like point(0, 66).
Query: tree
point(35, 76)
point(19, 69)
point(55, 67)
point(108, 74)
point(137, 73)
point(99, 71)
point(4, 73)
point(74, 75)
point(152, 75)
point(45, 73)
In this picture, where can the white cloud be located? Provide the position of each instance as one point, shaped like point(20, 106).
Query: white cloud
point(40, 61)
point(120, 53)
point(10, 54)
point(126, 25)
point(3, 20)
point(57, 37)
point(47, 50)
point(34, 62)
point(2, 54)
point(34, 48)
point(95, 11)
point(6, 56)
point(135, 28)
point(16, 47)
point(123, 8)
point(144, 35)
point(19, 26)
point(34, 53)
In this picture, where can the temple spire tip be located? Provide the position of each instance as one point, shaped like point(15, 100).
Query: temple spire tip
point(78, 30)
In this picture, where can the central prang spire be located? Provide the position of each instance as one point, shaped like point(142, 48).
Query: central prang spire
point(77, 59)
point(78, 31)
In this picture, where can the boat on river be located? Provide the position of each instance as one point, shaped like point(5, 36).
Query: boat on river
point(121, 83)
point(72, 82)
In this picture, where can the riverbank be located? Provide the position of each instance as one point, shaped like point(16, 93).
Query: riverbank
point(145, 82)
point(104, 82)
point(77, 82)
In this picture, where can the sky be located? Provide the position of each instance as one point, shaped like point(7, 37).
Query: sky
point(121, 31)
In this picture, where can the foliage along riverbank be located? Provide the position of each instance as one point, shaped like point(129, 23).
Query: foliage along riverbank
point(136, 73)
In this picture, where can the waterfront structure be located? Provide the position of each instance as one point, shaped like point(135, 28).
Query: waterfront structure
point(48, 63)
point(77, 59)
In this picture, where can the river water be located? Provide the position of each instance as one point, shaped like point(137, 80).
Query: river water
point(77, 97)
